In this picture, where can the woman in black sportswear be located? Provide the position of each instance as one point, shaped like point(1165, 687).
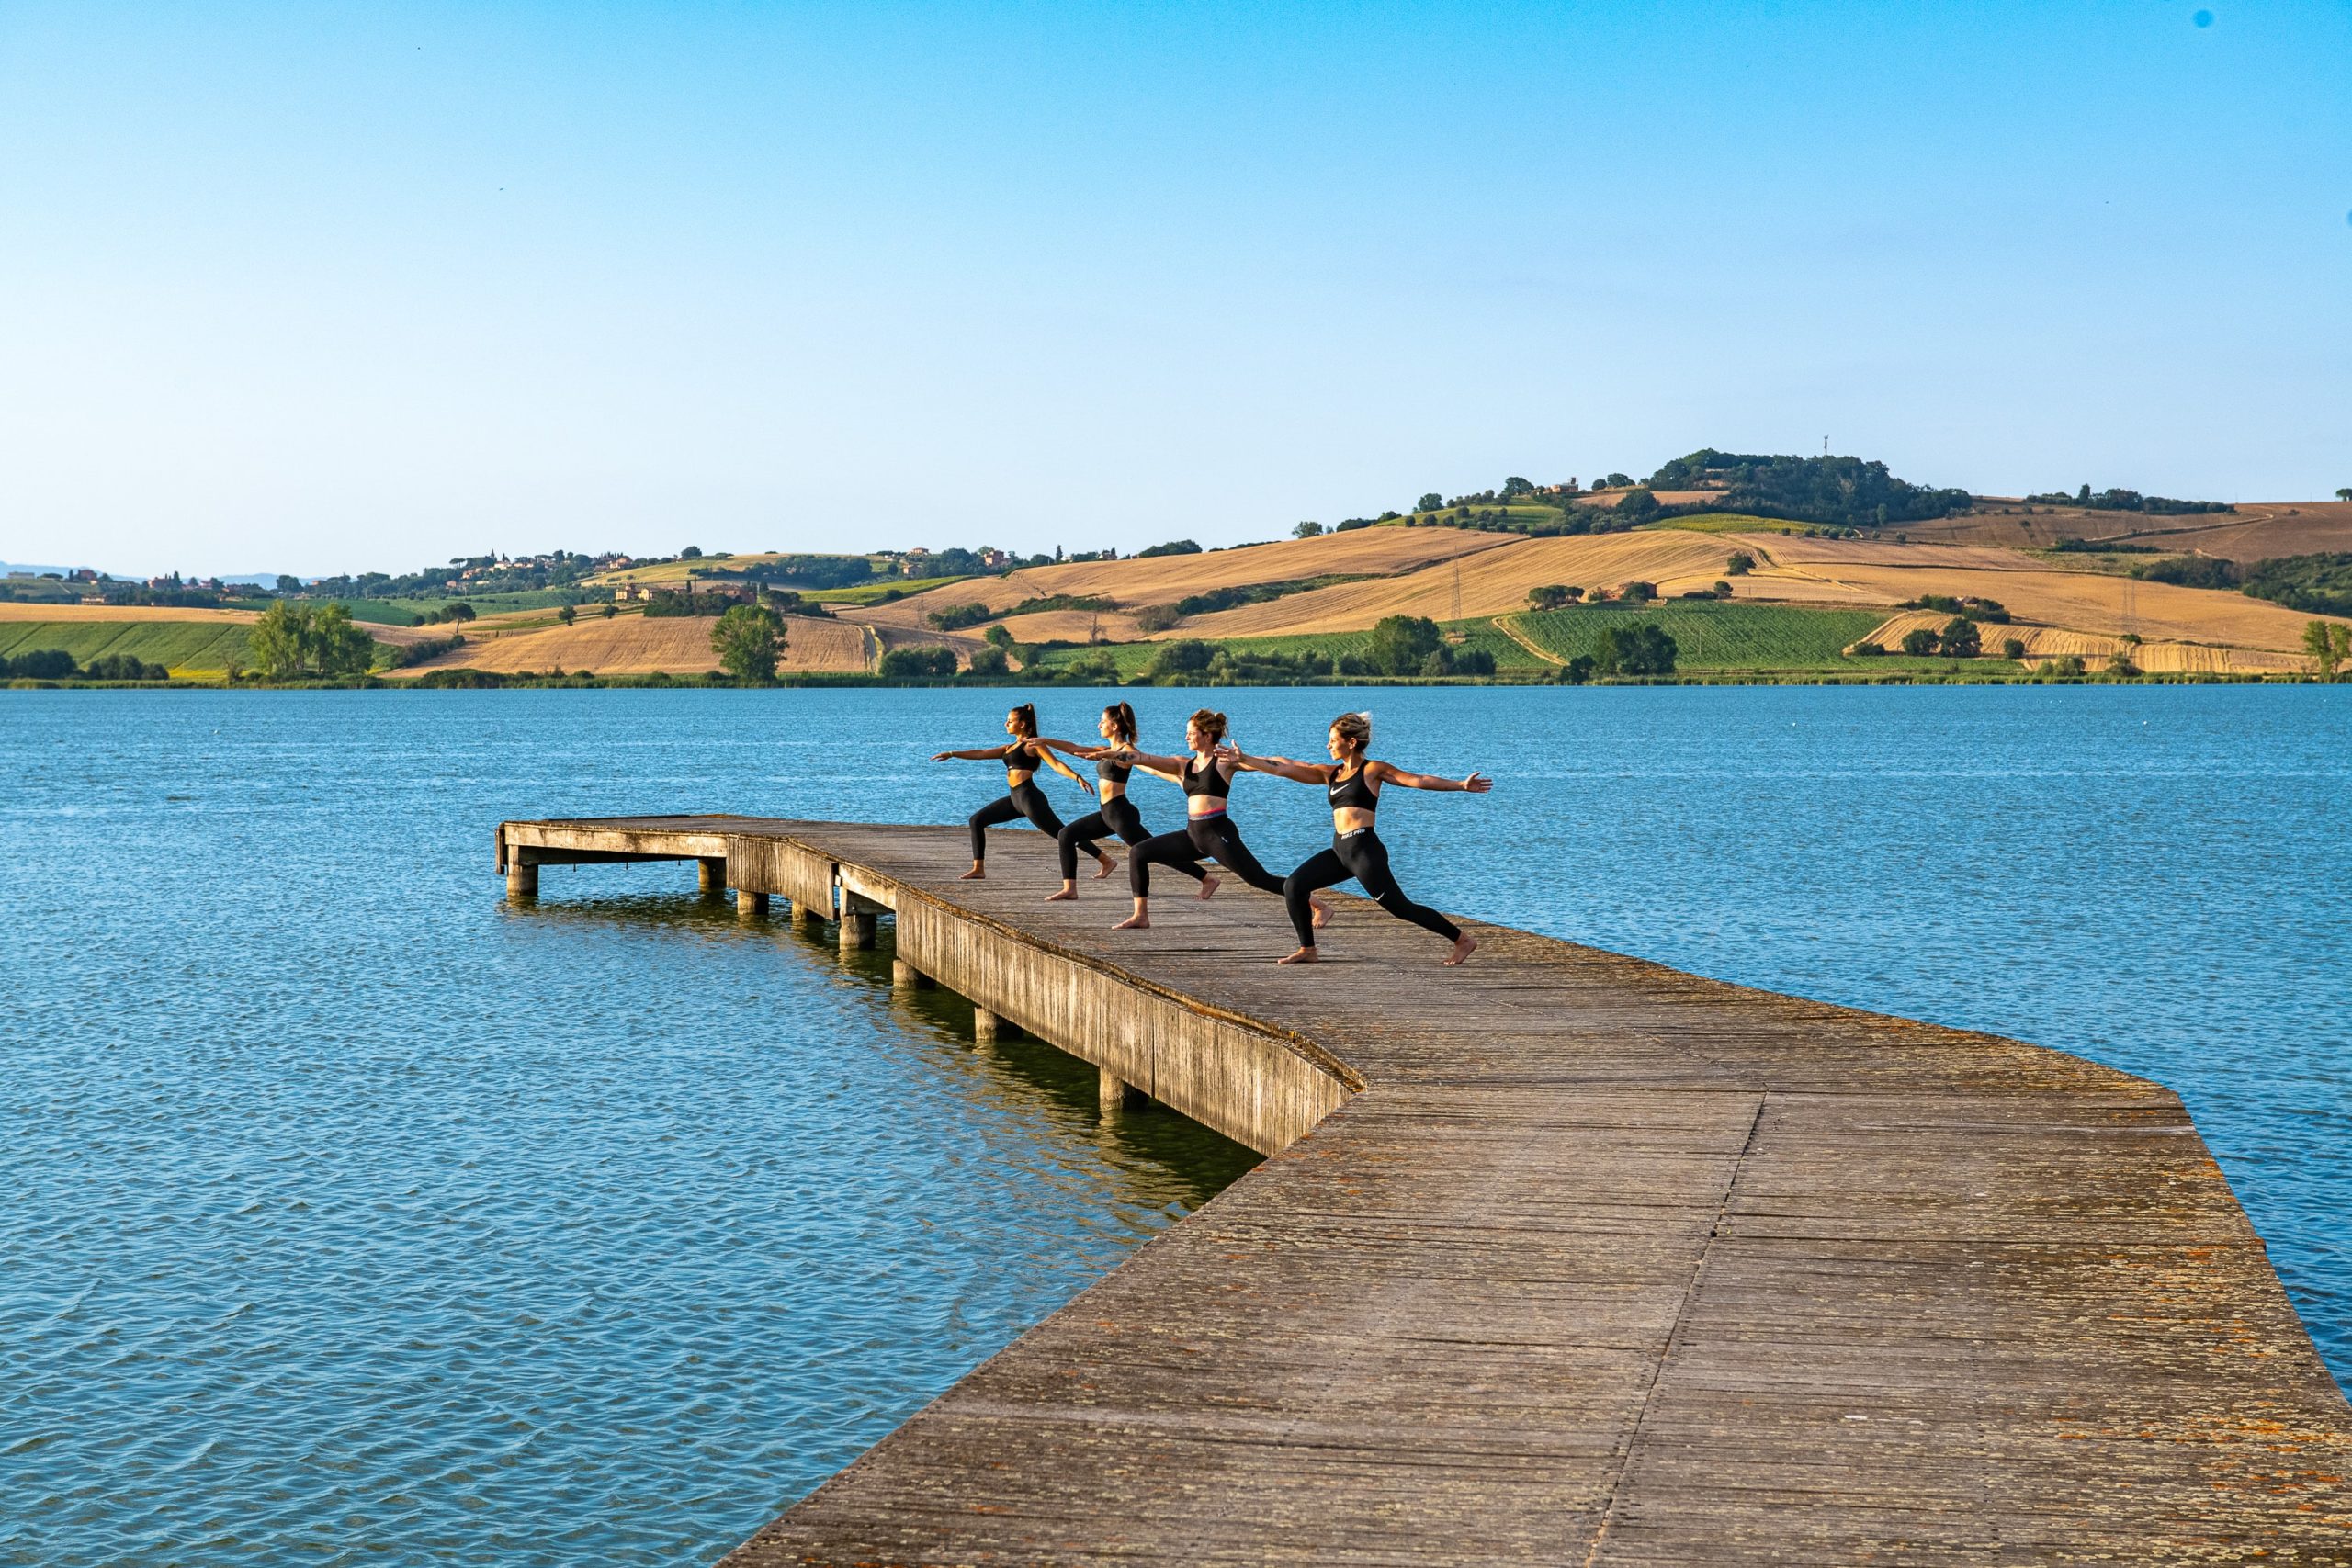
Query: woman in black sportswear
point(1114, 761)
point(1207, 778)
point(1351, 781)
point(1021, 758)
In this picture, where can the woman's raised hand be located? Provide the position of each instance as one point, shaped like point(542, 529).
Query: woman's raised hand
point(1477, 783)
point(945, 757)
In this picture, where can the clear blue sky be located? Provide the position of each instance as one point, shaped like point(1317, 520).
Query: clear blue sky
point(312, 287)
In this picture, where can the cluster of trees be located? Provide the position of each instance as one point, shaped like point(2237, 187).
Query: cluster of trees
point(1846, 492)
point(1991, 610)
point(2191, 572)
point(56, 664)
point(1644, 649)
point(2315, 584)
point(2130, 501)
point(294, 639)
point(1960, 638)
point(918, 663)
point(955, 618)
point(460, 612)
point(2330, 646)
point(1172, 547)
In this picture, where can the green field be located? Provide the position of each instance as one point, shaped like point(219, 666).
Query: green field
point(1733, 523)
point(207, 646)
point(870, 592)
point(1716, 634)
point(406, 612)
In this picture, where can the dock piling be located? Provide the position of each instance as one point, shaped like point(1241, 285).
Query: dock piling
point(750, 906)
point(522, 875)
point(987, 1028)
point(907, 978)
point(1118, 1097)
point(711, 875)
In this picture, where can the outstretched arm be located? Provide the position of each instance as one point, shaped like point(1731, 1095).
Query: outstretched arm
point(1388, 772)
point(977, 754)
point(1169, 768)
point(1281, 767)
point(1043, 752)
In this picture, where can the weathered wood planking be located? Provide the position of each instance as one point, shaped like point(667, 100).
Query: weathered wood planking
point(1583, 1260)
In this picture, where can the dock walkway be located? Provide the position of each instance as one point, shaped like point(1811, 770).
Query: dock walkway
point(1563, 1257)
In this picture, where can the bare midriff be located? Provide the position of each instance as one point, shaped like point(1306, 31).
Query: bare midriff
point(1348, 819)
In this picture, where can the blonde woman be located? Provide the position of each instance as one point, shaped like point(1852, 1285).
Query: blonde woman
point(1351, 781)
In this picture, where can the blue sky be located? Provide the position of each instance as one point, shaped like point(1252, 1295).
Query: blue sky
point(315, 287)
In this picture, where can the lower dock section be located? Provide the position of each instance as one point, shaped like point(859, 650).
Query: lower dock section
point(1563, 1257)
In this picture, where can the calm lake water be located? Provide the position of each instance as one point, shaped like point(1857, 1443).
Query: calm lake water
point(352, 1216)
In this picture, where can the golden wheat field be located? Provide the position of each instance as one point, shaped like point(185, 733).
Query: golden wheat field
point(2092, 601)
point(1161, 579)
point(1490, 582)
point(2045, 643)
point(640, 645)
point(10, 610)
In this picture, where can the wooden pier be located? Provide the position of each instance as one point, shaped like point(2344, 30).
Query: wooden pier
point(1562, 1258)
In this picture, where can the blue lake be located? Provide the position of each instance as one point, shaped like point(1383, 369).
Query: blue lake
point(352, 1215)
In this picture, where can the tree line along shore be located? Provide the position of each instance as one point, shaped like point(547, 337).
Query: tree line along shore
point(1837, 572)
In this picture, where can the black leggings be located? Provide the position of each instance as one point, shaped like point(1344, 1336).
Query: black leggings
point(1214, 837)
point(1118, 816)
point(1027, 800)
point(1363, 856)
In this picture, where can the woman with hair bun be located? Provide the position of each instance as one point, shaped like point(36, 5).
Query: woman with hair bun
point(1112, 763)
point(1207, 778)
point(1351, 781)
point(1021, 758)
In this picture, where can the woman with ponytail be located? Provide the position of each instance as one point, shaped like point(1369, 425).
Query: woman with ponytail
point(1112, 763)
point(1021, 757)
point(1207, 778)
point(1351, 781)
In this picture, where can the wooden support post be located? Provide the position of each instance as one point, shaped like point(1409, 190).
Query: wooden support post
point(1117, 1095)
point(803, 917)
point(522, 875)
point(987, 1027)
point(907, 978)
point(857, 929)
point(713, 875)
point(750, 906)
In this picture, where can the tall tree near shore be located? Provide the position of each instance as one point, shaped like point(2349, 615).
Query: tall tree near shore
point(749, 640)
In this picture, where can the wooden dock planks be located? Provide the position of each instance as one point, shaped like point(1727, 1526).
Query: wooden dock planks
point(1603, 1264)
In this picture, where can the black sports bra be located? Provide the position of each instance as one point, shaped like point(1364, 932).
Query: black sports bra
point(1112, 771)
point(1353, 792)
point(1214, 782)
point(1019, 759)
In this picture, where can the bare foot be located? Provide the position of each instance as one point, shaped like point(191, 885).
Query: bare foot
point(978, 873)
point(1208, 885)
point(1322, 913)
point(1303, 955)
point(1109, 865)
point(1134, 922)
point(1068, 892)
point(1464, 946)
